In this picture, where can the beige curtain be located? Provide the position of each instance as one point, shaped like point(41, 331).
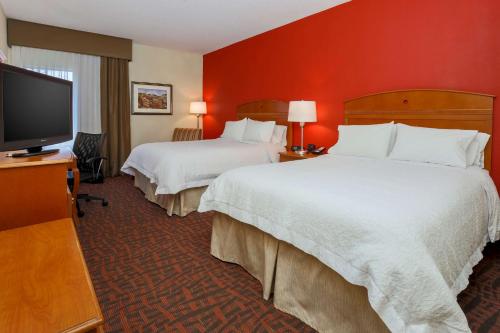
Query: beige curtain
point(115, 113)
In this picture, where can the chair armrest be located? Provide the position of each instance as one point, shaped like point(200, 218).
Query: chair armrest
point(97, 158)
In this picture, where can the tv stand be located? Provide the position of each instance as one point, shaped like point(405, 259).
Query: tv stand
point(35, 189)
point(35, 151)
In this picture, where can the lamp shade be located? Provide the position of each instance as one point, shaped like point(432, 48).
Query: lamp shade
point(302, 111)
point(198, 108)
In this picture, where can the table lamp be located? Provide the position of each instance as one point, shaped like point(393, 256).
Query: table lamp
point(198, 109)
point(302, 112)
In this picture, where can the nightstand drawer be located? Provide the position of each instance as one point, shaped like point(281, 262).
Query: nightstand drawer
point(286, 158)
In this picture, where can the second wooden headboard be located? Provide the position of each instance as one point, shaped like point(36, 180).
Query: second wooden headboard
point(426, 108)
point(267, 110)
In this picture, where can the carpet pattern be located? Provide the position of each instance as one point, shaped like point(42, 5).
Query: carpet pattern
point(153, 273)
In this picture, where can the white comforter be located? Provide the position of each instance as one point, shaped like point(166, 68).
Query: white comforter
point(410, 233)
point(176, 166)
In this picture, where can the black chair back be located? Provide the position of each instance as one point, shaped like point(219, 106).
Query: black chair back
point(87, 147)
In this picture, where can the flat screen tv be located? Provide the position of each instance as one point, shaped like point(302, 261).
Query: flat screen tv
point(35, 110)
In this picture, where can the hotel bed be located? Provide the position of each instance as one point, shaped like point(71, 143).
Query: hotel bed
point(357, 244)
point(175, 174)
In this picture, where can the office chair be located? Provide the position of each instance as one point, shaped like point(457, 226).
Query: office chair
point(88, 148)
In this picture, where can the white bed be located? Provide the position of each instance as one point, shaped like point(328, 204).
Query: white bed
point(177, 166)
point(408, 232)
point(175, 174)
point(412, 242)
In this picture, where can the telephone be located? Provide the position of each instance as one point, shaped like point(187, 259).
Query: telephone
point(318, 151)
point(311, 148)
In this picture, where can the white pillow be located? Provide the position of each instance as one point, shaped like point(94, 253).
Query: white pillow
point(258, 131)
point(364, 140)
point(279, 135)
point(432, 145)
point(476, 147)
point(234, 129)
point(475, 151)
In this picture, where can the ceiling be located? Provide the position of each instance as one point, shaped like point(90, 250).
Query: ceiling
point(198, 26)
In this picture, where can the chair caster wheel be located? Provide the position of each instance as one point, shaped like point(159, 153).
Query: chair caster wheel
point(80, 214)
point(104, 203)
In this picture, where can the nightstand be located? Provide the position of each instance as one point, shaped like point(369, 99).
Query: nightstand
point(288, 155)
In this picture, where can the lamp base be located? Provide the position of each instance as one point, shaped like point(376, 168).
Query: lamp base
point(301, 152)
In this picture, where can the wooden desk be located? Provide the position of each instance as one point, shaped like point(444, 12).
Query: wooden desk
point(44, 282)
point(34, 189)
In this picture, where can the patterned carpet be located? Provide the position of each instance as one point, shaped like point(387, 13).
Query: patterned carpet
point(153, 273)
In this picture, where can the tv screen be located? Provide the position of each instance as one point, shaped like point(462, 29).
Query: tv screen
point(35, 109)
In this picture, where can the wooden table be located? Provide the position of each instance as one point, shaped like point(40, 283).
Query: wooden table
point(44, 282)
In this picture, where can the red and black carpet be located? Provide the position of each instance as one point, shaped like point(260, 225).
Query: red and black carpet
point(153, 273)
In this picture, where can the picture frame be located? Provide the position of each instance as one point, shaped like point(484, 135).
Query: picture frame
point(151, 98)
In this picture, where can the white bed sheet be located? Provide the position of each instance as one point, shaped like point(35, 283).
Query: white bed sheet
point(176, 166)
point(409, 232)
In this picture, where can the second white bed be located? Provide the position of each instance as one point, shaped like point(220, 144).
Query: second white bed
point(408, 232)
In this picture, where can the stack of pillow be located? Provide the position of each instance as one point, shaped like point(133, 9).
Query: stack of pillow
point(459, 148)
point(252, 131)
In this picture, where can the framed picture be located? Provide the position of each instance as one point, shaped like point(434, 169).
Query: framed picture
point(151, 98)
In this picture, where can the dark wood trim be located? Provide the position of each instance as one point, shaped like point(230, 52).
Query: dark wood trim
point(41, 36)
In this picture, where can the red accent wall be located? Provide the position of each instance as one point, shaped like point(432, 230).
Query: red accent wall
point(358, 48)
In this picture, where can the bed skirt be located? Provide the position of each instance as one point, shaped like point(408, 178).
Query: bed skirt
point(246, 246)
point(300, 284)
point(180, 204)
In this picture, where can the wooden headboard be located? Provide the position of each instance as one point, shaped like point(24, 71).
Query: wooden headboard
point(426, 108)
point(267, 110)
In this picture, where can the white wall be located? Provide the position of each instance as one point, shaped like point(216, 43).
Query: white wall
point(3, 32)
point(181, 69)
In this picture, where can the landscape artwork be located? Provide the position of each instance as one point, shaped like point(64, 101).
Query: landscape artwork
point(151, 98)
